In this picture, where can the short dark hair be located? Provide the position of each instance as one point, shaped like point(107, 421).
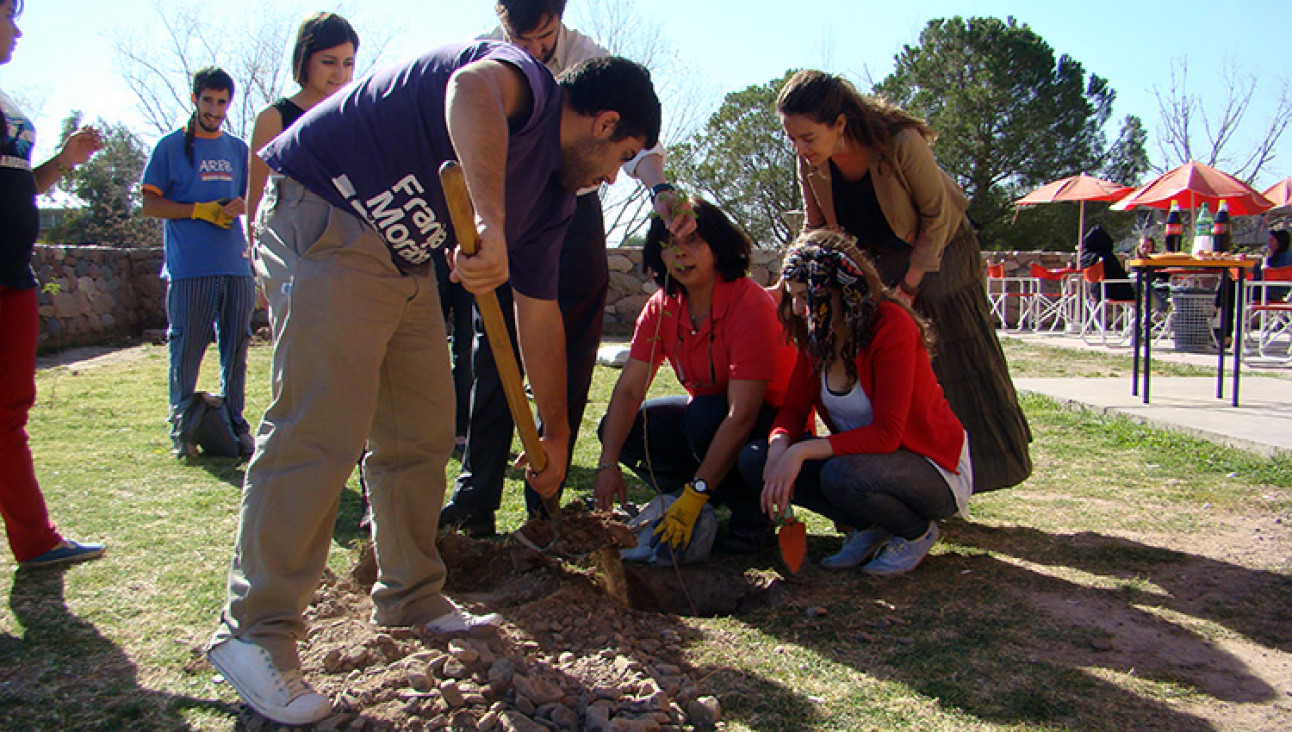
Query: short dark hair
point(730, 247)
point(519, 17)
point(1282, 237)
point(212, 77)
point(612, 83)
point(319, 32)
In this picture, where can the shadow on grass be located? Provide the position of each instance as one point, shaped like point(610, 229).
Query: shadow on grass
point(1004, 638)
point(1250, 602)
point(227, 470)
point(63, 674)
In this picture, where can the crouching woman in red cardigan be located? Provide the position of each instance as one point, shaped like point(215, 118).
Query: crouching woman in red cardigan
point(896, 459)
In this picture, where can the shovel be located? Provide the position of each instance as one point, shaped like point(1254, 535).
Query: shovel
point(454, 183)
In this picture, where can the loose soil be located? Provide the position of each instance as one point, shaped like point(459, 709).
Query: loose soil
point(571, 654)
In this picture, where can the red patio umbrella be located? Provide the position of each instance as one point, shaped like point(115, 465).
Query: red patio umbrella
point(1194, 184)
point(1080, 188)
point(1280, 194)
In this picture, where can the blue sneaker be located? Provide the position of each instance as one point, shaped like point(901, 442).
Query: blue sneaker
point(900, 556)
point(66, 552)
point(857, 548)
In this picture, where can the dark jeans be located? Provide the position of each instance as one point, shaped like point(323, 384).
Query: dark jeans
point(677, 431)
point(457, 305)
point(584, 279)
point(901, 492)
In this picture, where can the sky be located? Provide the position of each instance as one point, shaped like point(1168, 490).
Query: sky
point(65, 61)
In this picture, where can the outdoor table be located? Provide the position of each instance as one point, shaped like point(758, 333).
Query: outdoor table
point(1231, 311)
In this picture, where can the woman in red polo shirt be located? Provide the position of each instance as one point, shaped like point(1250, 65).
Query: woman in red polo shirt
point(897, 458)
point(719, 331)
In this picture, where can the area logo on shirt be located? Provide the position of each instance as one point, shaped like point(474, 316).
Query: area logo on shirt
point(402, 217)
point(215, 171)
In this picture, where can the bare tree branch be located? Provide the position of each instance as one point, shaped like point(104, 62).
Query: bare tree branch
point(255, 52)
point(1178, 110)
point(620, 28)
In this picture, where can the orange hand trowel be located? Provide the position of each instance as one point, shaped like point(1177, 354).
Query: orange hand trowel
point(792, 537)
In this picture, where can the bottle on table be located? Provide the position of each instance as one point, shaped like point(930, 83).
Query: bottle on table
point(1220, 229)
point(1202, 230)
point(1174, 228)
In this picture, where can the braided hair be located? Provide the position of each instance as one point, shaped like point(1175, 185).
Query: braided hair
point(837, 275)
point(211, 77)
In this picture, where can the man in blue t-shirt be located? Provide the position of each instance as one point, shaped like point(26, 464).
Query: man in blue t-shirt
point(348, 227)
point(194, 181)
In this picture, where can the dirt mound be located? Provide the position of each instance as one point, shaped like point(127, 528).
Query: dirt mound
point(567, 656)
point(582, 533)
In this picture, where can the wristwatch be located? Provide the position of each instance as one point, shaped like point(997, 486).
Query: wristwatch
point(700, 485)
point(659, 188)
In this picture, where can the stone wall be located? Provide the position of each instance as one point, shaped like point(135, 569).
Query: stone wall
point(629, 288)
point(95, 295)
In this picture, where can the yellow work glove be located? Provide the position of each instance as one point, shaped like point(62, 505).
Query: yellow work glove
point(213, 212)
point(679, 521)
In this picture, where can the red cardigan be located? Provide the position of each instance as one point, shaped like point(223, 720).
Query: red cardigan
point(895, 371)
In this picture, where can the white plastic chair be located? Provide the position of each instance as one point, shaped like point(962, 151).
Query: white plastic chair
point(1002, 290)
point(1110, 320)
point(1269, 313)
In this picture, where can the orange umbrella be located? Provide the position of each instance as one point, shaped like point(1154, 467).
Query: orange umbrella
point(1280, 194)
point(1076, 188)
point(1194, 184)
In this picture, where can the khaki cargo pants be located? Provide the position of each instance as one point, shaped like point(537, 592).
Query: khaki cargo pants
point(360, 358)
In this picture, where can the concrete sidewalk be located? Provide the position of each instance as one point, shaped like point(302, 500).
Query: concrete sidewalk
point(1261, 424)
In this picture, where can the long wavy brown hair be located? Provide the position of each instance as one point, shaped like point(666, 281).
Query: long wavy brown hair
point(869, 120)
point(841, 283)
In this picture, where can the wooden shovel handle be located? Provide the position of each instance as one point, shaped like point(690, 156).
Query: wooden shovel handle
point(463, 217)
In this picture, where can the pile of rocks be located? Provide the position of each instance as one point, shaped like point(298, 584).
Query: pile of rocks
point(566, 657)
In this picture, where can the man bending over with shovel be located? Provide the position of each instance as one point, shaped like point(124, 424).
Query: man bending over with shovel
point(350, 223)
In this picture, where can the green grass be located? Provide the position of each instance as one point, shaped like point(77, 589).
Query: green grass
point(1123, 533)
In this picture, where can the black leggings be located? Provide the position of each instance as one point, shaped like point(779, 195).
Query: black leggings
point(901, 492)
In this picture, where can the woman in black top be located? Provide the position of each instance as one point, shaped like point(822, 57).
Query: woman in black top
point(32, 536)
point(322, 62)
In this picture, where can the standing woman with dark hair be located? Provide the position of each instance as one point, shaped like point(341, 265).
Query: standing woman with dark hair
point(718, 329)
point(322, 63)
point(32, 536)
point(865, 167)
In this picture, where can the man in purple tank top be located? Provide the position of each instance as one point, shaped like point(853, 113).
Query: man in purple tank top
point(354, 214)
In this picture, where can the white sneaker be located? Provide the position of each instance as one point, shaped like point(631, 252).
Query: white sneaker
point(280, 696)
point(857, 548)
point(458, 620)
point(899, 556)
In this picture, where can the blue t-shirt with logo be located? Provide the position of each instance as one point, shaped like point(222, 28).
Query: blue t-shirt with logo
point(218, 170)
point(375, 151)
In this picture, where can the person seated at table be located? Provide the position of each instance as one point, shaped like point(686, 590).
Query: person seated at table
point(718, 329)
point(897, 458)
point(1161, 281)
point(1278, 253)
point(1096, 247)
